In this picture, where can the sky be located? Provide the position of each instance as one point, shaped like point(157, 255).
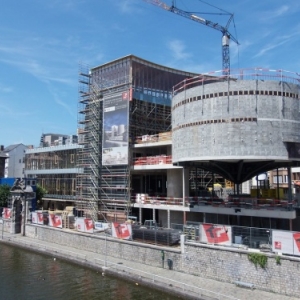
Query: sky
point(43, 44)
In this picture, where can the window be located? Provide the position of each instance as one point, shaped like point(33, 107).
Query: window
point(279, 179)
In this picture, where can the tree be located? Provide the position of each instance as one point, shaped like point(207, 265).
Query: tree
point(40, 192)
point(4, 195)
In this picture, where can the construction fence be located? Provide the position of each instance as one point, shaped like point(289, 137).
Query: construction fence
point(264, 239)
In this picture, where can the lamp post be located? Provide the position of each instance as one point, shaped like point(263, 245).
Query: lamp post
point(2, 227)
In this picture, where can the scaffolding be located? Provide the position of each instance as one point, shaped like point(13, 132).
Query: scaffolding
point(118, 102)
point(102, 189)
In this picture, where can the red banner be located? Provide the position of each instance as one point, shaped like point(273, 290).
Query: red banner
point(55, 221)
point(215, 234)
point(6, 213)
point(121, 231)
point(296, 237)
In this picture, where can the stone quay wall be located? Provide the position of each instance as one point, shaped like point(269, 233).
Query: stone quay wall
point(226, 264)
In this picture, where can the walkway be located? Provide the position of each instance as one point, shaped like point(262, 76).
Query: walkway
point(180, 283)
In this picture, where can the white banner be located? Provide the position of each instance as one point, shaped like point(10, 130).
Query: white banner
point(34, 218)
point(282, 241)
point(100, 226)
point(85, 225)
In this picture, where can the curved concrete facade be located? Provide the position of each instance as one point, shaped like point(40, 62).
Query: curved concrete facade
point(236, 120)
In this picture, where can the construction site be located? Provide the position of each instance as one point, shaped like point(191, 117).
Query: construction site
point(169, 145)
point(157, 141)
point(120, 102)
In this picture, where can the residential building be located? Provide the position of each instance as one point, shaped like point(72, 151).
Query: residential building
point(14, 164)
point(3, 157)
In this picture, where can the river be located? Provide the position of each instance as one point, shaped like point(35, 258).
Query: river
point(29, 275)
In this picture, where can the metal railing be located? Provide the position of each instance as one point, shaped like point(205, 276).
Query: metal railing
point(163, 281)
point(237, 74)
point(155, 235)
point(252, 237)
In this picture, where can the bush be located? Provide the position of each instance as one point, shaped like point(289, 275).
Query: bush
point(4, 195)
point(258, 259)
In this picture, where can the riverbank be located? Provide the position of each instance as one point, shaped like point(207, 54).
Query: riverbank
point(177, 283)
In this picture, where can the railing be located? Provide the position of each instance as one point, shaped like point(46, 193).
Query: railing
point(239, 74)
point(155, 235)
point(62, 252)
point(231, 202)
point(154, 138)
point(153, 160)
point(163, 281)
point(252, 237)
point(157, 200)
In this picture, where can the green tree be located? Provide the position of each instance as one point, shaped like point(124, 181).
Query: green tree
point(40, 192)
point(4, 195)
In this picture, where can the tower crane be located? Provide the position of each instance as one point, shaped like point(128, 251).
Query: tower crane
point(226, 35)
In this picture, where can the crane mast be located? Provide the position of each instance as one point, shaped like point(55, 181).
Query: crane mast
point(226, 35)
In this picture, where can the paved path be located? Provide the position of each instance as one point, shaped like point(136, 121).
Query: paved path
point(194, 286)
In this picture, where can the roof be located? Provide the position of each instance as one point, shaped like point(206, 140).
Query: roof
point(148, 63)
point(3, 155)
point(12, 147)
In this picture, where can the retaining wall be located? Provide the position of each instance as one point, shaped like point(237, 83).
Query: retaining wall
point(218, 263)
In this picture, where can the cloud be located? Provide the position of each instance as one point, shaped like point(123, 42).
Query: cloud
point(60, 102)
point(279, 11)
point(34, 68)
point(177, 48)
point(127, 6)
point(278, 42)
point(5, 89)
point(6, 111)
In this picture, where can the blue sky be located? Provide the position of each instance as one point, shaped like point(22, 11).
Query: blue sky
point(42, 44)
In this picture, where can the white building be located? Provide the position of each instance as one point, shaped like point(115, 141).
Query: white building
point(14, 164)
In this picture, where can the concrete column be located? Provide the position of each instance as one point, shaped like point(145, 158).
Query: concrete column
point(183, 187)
point(290, 200)
point(289, 185)
point(140, 215)
point(174, 183)
point(169, 219)
point(186, 186)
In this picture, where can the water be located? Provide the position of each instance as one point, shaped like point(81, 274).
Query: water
point(28, 275)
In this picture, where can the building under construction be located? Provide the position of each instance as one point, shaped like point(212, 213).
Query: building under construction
point(119, 102)
point(157, 142)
